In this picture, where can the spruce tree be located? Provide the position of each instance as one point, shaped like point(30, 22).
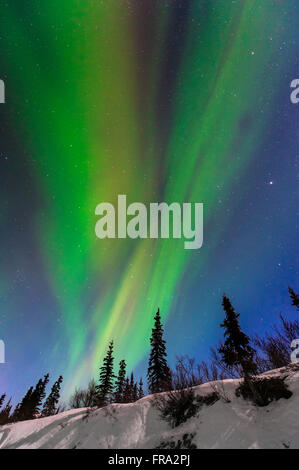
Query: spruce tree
point(23, 410)
point(5, 414)
point(2, 398)
point(127, 391)
point(236, 350)
point(38, 396)
point(120, 382)
point(135, 392)
point(50, 406)
point(105, 387)
point(132, 384)
point(16, 414)
point(140, 390)
point(294, 297)
point(158, 374)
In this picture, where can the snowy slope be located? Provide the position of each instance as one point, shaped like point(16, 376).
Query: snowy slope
point(237, 424)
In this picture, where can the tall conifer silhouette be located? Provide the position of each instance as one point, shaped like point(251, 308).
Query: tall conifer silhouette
point(22, 411)
point(5, 416)
point(127, 391)
point(236, 350)
point(158, 374)
point(140, 390)
point(50, 406)
point(38, 396)
point(2, 398)
point(120, 382)
point(105, 387)
point(132, 385)
point(294, 297)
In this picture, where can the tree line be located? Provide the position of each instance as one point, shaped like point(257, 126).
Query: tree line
point(33, 404)
point(110, 388)
point(122, 388)
point(237, 356)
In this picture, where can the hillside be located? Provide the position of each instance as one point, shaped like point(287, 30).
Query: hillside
point(236, 424)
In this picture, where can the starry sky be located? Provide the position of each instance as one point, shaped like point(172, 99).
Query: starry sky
point(177, 100)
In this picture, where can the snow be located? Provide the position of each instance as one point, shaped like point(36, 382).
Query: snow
point(237, 424)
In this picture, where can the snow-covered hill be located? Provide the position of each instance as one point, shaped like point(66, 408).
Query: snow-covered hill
point(237, 424)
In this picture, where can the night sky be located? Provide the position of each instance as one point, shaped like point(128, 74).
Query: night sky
point(185, 101)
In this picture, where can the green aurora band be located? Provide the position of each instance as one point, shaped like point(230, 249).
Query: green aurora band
point(89, 120)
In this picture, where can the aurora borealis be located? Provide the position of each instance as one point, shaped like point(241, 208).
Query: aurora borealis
point(159, 100)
